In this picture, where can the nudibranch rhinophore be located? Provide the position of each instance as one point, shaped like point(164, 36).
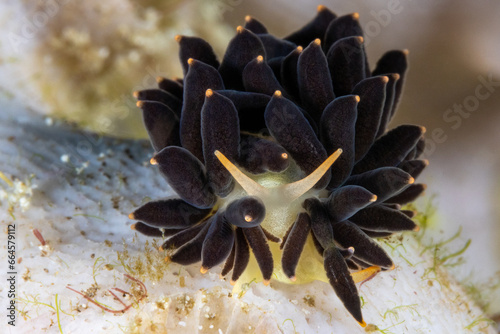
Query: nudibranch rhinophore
point(281, 156)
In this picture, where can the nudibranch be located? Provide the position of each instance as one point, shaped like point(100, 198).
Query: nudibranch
point(281, 156)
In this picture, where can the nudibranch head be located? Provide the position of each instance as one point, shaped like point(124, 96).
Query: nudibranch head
point(281, 156)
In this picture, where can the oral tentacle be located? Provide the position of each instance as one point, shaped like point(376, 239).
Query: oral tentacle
point(250, 186)
point(292, 191)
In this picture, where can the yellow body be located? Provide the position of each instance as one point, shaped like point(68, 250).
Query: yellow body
point(282, 196)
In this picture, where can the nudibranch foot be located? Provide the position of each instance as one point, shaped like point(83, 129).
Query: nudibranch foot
point(365, 274)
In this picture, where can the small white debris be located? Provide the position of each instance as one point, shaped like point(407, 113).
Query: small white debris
point(45, 250)
point(134, 56)
point(49, 121)
point(17, 193)
point(220, 331)
point(294, 302)
point(80, 169)
point(65, 158)
point(211, 326)
point(200, 327)
point(103, 52)
point(24, 203)
point(182, 323)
